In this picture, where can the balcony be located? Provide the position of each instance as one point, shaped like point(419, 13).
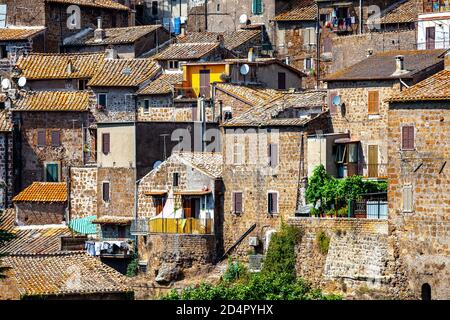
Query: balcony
point(181, 226)
point(139, 227)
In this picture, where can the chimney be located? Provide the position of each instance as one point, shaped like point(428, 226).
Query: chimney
point(369, 52)
point(251, 55)
point(99, 33)
point(69, 69)
point(111, 53)
point(399, 64)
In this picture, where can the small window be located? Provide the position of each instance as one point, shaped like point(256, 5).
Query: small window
point(407, 198)
point(257, 6)
point(272, 154)
point(308, 64)
point(407, 138)
point(218, 7)
point(158, 202)
point(52, 172)
point(82, 84)
point(237, 202)
point(281, 80)
point(105, 191)
point(102, 100)
point(56, 138)
point(146, 106)
point(374, 103)
point(41, 141)
point(176, 178)
point(154, 8)
point(173, 64)
point(105, 143)
point(272, 202)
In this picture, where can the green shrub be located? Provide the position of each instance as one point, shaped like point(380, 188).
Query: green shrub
point(235, 271)
point(132, 267)
point(323, 242)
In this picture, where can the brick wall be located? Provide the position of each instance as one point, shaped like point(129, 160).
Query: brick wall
point(422, 235)
point(38, 213)
point(83, 192)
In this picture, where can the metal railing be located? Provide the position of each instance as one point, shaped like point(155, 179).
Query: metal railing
point(370, 209)
point(181, 226)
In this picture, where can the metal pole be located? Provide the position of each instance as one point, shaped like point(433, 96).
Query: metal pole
point(318, 47)
point(206, 15)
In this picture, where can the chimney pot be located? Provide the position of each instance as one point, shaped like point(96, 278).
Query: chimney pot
point(99, 33)
point(399, 63)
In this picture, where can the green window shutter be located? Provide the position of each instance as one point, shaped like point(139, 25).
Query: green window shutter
point(257, 6)
point(52, 172)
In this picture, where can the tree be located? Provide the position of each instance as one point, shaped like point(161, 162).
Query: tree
point(5, 236)
point(318, 179)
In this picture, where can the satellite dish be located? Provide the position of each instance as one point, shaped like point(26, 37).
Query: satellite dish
point(6, 84)
point(156, 164)
point(244, 69)
point(22, 82)
point(337, 101)
point(243, 19)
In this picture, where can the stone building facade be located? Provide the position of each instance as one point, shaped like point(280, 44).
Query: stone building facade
point(6, 160)
point(83, 191)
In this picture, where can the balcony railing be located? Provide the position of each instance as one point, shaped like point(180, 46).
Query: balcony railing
point(370, 209)
point(181, 226)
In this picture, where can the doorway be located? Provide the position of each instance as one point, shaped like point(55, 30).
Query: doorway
point(204, 83)
point(426, 291)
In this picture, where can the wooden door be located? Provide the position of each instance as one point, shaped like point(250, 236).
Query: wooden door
point(373, 161)
point(187, 208)
point(204, 83)
point(430, 37)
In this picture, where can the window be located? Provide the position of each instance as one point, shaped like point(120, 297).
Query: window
point(159, 202)
point(105, 143)
point(82, 85)
point(272, 154)
point(3, 53)
point(52, 172)
point(56, 138)
point(308, 64)
point(281, 80)
point(407, 138)
point(176, 179)
point(237, 202)
point(237, 152)
point(374, 103)
point(105, 191)
point(218, 7)
point(3, 10)
point(154, 8)
point(257, 6)
point(102, 99)
point(173, 64)
point(272, 202)
point(309, 37)
point(407, 198)
point(41, 138)
point(146, 106)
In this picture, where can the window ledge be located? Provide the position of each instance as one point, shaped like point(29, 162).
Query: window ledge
point(374, 116)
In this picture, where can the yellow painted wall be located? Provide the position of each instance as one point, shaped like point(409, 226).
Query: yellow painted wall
point(192, 75)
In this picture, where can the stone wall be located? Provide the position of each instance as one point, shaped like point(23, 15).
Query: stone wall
point(38, 213)
point(163, 108)
point(83, 192)
point(423, 233)
point(6, 169)
point(360, 255)
point(120, 104)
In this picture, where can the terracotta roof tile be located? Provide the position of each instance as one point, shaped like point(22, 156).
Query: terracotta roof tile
point(59, 66)
point(267, 114)
point(251, 95)
point(17, 34)
point(124, 73)
point(54, 101)
point(208, 162)
point(52, 274)
point(436, 87)
point(382, 65)
point(162, 84)
point(5, 121)
point(43, 192)
point(402, 12)
point(104, 4)
point(7, 219)
point(232, 39)
point(301, 10)
point(187, 51)
point(116, 36)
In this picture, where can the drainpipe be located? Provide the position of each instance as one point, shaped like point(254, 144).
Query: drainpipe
point(360, 16)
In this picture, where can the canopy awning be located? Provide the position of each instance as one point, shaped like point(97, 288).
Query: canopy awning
point(155, 192)
point(345, 141)
point(83, 225)
point(192, 192)
point(113, 220)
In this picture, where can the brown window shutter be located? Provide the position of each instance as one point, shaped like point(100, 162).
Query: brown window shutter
point(105, 143)
point(237, 202)
point(373, 102)
point(41, 138)
point(408, 137)
point(56, 139)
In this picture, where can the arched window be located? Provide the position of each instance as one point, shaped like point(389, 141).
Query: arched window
point(426, 291)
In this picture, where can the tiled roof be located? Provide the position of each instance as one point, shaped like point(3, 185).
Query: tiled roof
point(59, 66)
point(43, 192)
point(17, 34)
point(251, 95)
point(5, 121)
point(401, 12)
point(2, 97)
point(116, 36)
point(267, 61)
point(267, 113)
point(113, 220)
point(36, 239)
point(63, 273)
point(162, 84)
point(381, 66)
point(301, 10)
point(7, 219)
point(231, 39)
point(54, 101)
point(124, 73)
point(186, 51)
point(436, 87)
point(103, 4)
point(208, 162)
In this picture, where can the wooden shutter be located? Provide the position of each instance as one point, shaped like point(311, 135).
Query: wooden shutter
point(373, 161)
point(52, 172)
point(408, 138)
point(41, 138)
point(105, 143)
point(237, 202)
point(373, 102)
point(187, 208)
point(56, 138)
point(105, 191)
point(257, 6)
point(281, 80)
